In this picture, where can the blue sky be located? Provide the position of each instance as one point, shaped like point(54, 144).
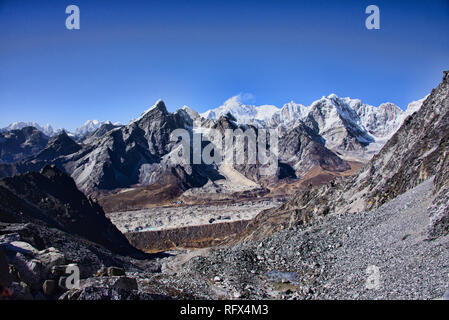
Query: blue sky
point(128, 54)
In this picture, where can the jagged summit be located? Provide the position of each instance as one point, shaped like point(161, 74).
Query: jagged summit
point(89, 126)
point(414, 154)
point(16, 145)
point(59, 145)
point(191, 115)
point(46, 129)
point(347, 125)
point(159, 106)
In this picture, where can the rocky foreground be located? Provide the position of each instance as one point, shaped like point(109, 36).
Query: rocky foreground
point(329, 259)
point(381, 234)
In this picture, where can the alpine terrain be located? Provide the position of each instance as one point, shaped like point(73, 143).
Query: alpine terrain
point(358, 192)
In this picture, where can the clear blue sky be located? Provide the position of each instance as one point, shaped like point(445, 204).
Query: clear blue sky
point(128, 54)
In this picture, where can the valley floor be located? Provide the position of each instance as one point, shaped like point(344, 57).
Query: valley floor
point(335, 258)
point(171, 217)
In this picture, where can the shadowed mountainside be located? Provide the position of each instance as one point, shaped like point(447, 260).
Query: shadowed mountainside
point(51, 197)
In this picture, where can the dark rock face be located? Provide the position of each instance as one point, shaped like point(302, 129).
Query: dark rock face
point(439, 209)
point(303, 149)
point(300, 150)
point(138, 153)
point(51, 197)
point(60, 145)
point(57, 148)
point(39, 255)
point(16, 145)
point(415, 153)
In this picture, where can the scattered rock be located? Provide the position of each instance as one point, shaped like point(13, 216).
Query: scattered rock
point(446, 295)
point(49, 287)
point(21, 291)
point(62, 282)
point(104, 288)
point(51, 257)
point(115, 272)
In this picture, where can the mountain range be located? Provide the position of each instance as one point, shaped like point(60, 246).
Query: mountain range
point(346, 124)
point(391, 214)
point(331, 134)
point(417, 152)
point(368, 117)
point(80, 132)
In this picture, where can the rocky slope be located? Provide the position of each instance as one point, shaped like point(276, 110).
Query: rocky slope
point(16, 145)
point(47, 225)
point(332, 258)
point(328, 259)
point(50, 197)
point(439, 209)
point(415, 152)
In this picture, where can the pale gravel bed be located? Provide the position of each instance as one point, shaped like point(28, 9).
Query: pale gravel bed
point(187, 215)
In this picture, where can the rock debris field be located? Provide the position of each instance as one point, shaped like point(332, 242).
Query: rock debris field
point(333, 258)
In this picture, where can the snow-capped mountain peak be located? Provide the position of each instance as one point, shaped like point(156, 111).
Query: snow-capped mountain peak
point(47, 129)
point(159, 104)
point(242, 112)
point(341, 121)
point(192, 114)
point(89, 126)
